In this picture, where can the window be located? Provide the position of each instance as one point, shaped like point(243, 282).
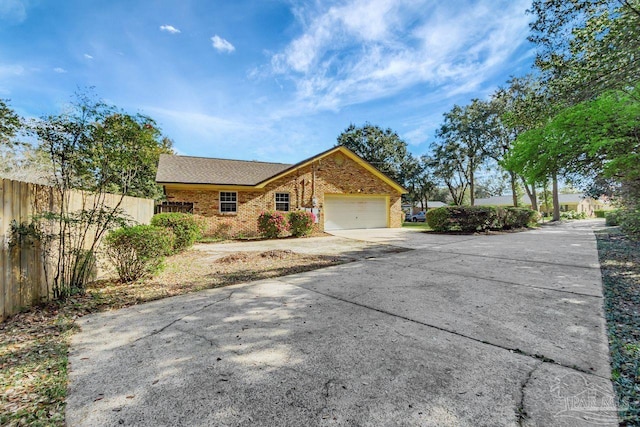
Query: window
point(282, 202)
point(228, 202)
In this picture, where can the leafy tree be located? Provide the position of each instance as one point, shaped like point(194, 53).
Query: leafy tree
point(91, 147)
point(594, 138)
point(521, 106)
point(9, 123)
point(586, 46)
point(451, 171)
point(383, 148)
point(120, 141)
point(420, 181)
point(462, 147)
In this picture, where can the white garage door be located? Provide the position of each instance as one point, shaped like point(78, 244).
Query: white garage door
point(346, 212)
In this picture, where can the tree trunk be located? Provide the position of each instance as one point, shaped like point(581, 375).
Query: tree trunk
point(531, 192)
point(472, 188)
point(514, 193)
point(534, 198)
point(556, 199)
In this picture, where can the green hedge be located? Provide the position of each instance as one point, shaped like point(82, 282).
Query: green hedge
point(612, 218)
point(479, 218)
point(600, 213)
point(138, 251)
point(519, 218)
point(186, 228)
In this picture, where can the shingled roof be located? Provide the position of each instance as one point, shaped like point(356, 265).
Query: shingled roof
point(202, 170)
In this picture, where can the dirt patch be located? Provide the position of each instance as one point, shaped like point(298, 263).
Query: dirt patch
point(279, 254)
point(237, 257)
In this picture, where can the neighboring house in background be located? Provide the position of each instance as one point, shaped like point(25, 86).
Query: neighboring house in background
point(568, 202)
point(432, 204)
point(342, 189)
point(410, 209)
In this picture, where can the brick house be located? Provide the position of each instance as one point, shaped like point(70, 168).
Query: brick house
point(342, 189)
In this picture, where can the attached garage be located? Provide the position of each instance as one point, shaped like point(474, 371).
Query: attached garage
point(343, 212)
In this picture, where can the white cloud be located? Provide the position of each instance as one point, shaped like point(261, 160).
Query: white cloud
point(13, 11)
point(11, 70)
point(417, 136)
point(169, 29)
point(87, 56)
point(59, 70)
point(222, 45)
point(367, 50)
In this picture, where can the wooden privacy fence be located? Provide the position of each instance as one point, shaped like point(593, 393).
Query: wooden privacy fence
point(22, 274)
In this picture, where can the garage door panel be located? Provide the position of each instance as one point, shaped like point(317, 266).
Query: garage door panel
point(350, 212)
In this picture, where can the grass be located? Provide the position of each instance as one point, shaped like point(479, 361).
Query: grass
point(416, 225)
point(620, 262)
point(34, 344)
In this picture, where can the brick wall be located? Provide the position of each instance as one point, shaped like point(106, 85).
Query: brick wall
point(334, 174)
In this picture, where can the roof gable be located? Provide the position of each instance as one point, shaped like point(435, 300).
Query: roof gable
point(348, 153)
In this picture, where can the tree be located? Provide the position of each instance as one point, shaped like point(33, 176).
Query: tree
point(450, 171)
point(10, 124)
point(521, 106)
point(96, 148)
point(420, 181)
point(121, 141)
point(462, 147)
point(593, 138)
point(586, 46)
point(384, 149)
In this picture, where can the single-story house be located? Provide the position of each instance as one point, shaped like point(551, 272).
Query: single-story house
point(412, 209)
point(341, 188)
point(568, 202)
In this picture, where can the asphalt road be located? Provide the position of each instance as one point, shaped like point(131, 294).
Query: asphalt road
point(484, 330)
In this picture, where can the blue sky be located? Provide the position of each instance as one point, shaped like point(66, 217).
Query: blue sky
point(269, 80)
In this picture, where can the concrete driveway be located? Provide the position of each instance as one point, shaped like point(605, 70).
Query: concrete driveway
point(497, 330)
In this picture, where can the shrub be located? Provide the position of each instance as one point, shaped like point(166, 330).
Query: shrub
point(271, 224)
point(572, 215)
point(186, 228)
point(138, 251)
point(223, 230)
point(438, 219)
point(479, 218)
point(519, 218)
point(301, 223)
point(629, 220)
point(612, 218)
point(599, 213)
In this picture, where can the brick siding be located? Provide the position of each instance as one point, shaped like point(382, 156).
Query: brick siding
point(334, 174)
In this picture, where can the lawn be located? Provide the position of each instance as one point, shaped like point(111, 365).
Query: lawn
point(416, 225)
point(34, 344)
point(620, 265)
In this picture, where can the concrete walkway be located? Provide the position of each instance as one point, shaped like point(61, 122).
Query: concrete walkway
point(497, 330)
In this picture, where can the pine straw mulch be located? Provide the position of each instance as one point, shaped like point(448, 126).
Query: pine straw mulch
point(620, 265)
point(34, 344)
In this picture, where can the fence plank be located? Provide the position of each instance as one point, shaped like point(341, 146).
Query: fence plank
point(23, 279)
point(4, 263)
point(7, 216)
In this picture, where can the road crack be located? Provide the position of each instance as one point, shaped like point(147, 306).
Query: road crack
point(521, 412)
point(536, 356)
point(168, 325)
